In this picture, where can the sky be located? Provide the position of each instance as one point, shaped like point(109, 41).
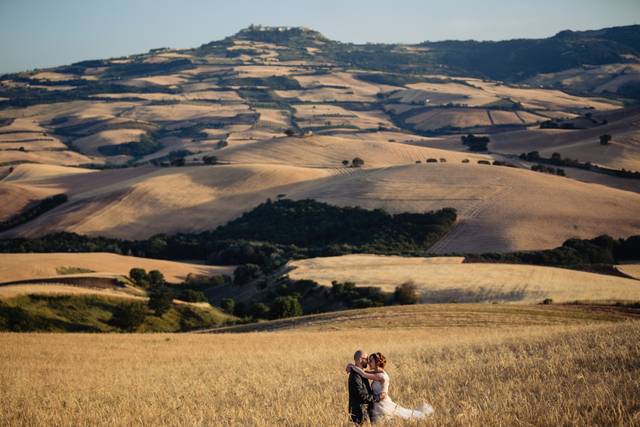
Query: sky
point(45, 33)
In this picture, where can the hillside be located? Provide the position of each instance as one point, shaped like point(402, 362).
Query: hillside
point(442, 280)
point(173, 153)
point(34, 266)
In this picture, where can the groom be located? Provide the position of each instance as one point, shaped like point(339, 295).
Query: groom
point(360, 393)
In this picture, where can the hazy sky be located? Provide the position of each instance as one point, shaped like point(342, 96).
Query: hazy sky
point(43, 33)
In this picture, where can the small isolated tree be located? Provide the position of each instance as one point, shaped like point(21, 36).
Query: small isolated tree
point(605, 139)
point(345, 163)
point(357, 162)
point(128, 316)
point(286, 306)
point(290, 132)
point(259, 310)
point(228, 305)
point(156, 278)
point(139, 277)
point(160, 299)
point(406, 293)
point(556, 157)
point(210, 160)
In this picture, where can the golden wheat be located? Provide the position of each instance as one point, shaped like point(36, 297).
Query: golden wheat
point(584, 374)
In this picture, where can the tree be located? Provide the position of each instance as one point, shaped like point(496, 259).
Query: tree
point(139, 276)
point(160, 299)
point(156, 278)
point(406, 293)
point(191, 295)
point(259, 310)
point(210, 160)
point(286, 306)
point(345, 163)
point(228, 305)
point(128, 316)
point(246, 273)
point(290, 132)
point(556, 157)
point(180, 161)
point(357, 162)
point(605, 139)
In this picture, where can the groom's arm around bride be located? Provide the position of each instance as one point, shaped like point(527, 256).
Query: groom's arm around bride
point(360, 393)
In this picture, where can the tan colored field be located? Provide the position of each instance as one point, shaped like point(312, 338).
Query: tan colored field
point(204, 95)
point(471, 371)
point(544, 99)
point(449, 280)
point(168, 80)
point(473, 96)
point(15, 267)
point(329, 151)
point(259, 71)
point(53, 76)
point(90, 144)
point(12, 291)
point(140, 202)
point(632, 270)
point(622, 152)
point(273, 118)
point(439, 118)
point(45, 156)
point(311, 116)
point(342, 79)
point(27, 173)
point(499, 208)
point(175, 112)
point(493, 214)
point(599, 79)
point(15, 198)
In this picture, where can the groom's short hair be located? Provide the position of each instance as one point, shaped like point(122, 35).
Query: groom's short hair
point(357, 355)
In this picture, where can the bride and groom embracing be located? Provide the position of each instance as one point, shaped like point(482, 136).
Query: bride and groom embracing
point(373, 399)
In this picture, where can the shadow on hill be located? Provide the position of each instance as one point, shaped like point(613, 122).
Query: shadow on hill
point(453, 295)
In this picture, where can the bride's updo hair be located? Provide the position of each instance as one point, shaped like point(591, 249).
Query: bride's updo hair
point(380, 360)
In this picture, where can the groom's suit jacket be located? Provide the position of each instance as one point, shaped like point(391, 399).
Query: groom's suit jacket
point(359, 394)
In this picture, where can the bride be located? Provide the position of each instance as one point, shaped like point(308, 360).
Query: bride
point(387, 408)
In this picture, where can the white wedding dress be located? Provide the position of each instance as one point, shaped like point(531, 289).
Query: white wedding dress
point(387, 408)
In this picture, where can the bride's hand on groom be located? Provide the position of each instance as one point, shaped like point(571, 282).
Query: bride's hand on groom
point(348, 368)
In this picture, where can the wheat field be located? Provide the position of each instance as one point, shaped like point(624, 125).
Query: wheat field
point(515, 374)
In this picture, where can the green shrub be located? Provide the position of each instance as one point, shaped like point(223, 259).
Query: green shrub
point(228, 305)
point(160, 299)
point(139, 276)
point(128, 316)
point(244, 274)
point(191, 295)
point(156, 278)
point(285, 306)
point(406, 293)
point(260, 310)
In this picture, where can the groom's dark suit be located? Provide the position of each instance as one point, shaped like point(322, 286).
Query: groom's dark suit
point(360, 394)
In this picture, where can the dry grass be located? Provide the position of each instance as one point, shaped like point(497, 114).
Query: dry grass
point(12, 291)
point(441, 280)
point(621, 152)
point(500, 209)
point(14, 267)
point(518, 376)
